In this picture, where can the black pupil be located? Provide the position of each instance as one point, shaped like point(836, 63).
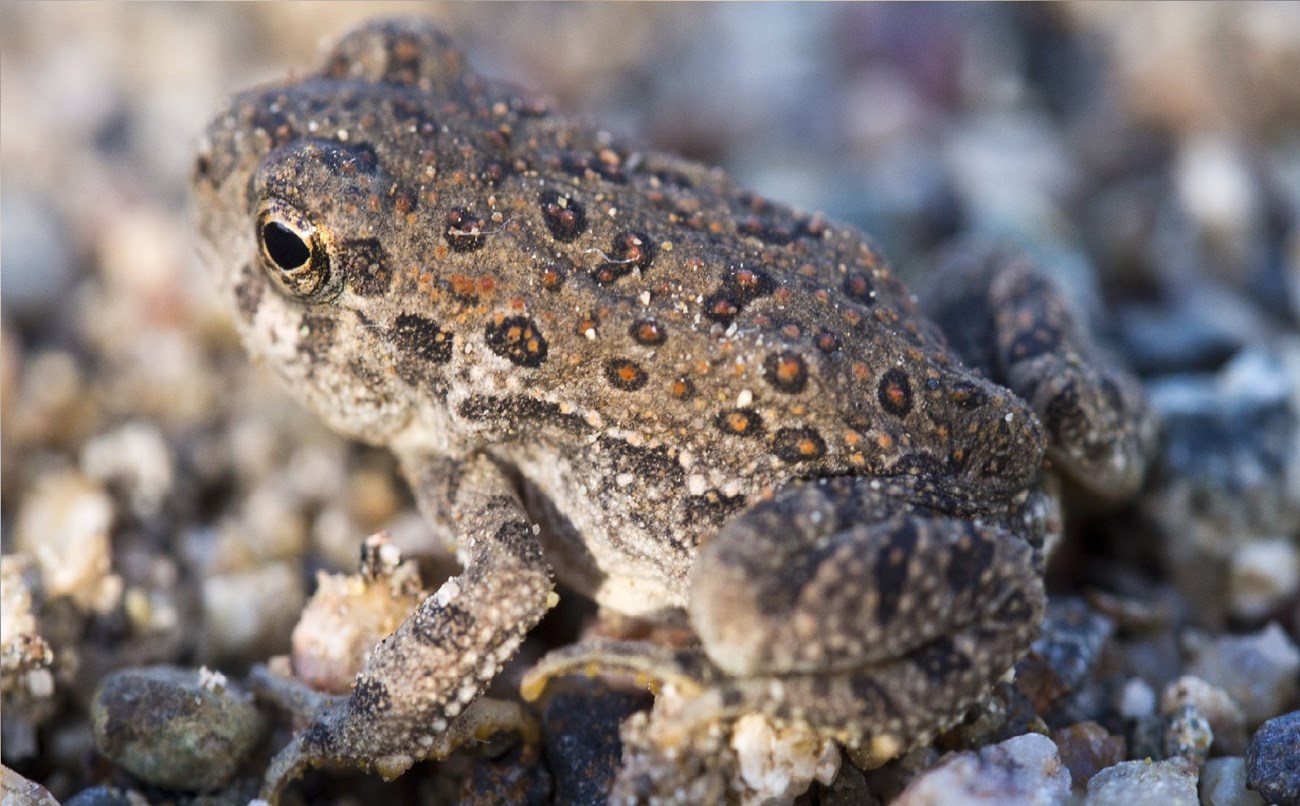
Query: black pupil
point(285, 248)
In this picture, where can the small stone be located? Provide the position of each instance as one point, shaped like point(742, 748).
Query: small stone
point(15, 790)
point(1060, 660)
point(134, 458)
point(25, 656)
point(1224, 715)
point(64, 524)
point(1137, 699)
point(583, 748)
point(349, 614)
point(1187, 734)
point(1262, 575)
point(1223, 783)
point(1087, 748)
point(1171, 782)
point(515, 776)
point(1273, 760)
point(777, 764)
point(1261, 672)
point(1147, 738)
point(848, 789)
point(166, 727)
point(1025, 769)
point(249, 612)
point(106, 796)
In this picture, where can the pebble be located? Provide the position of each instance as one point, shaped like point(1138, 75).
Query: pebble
point(1071, 642)
point(247, 609)
point(1229, 442)
point(349, 614)
point(1273, 760)
point(1187, 733)
point(1223, 783)
point(1137, 699)
point(15, 790)
point(1224, 715)
point(136, 459)
point(106, 796)
point(1262, 575)
point(1260, 672)
point(175, 728)
point(1171, 782)
point(1087, 748)
point(25, 656)
point(582, 745)
point(779, 763)
point(1025, 770)
point(64, 524)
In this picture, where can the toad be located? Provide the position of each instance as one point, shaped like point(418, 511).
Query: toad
point(613, 367)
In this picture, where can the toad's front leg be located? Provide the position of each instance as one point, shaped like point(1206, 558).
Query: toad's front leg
point(423, 676)
point(880, 619)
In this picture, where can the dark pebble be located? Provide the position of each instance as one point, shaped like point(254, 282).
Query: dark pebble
point(582, 742)
point(1273, 760)
point(167, 729)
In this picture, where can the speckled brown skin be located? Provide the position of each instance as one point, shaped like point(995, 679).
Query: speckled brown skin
point(549, 327)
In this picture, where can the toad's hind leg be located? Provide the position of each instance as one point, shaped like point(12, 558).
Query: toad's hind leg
point(1011, 321)
point(424, 675)
point(840, 604)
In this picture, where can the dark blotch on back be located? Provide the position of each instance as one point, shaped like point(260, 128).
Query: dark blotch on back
point(798, 445)
point(786, 371)
point(517, 339)
point(516, 411)
point(630, 250)
point(740, 286)
point(857, 287)
point(741, 422)
point(464, 231)
point(1034, 342)
point(895, 392)
point(565, 217)
point(421, 337)
point(648, 332)
point(624, 374)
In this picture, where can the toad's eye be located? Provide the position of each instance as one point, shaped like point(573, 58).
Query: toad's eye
point(294, 252)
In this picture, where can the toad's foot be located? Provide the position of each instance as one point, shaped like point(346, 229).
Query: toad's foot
point(410, 700)
point(1012, 322)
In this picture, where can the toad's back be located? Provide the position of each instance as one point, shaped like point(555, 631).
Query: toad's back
point(435, 263)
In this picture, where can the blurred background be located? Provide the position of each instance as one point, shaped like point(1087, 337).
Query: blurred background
point(1148, 155)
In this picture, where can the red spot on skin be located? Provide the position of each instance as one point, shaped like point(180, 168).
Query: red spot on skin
point(737, 422)
point(827, 341)
point(649, 332)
